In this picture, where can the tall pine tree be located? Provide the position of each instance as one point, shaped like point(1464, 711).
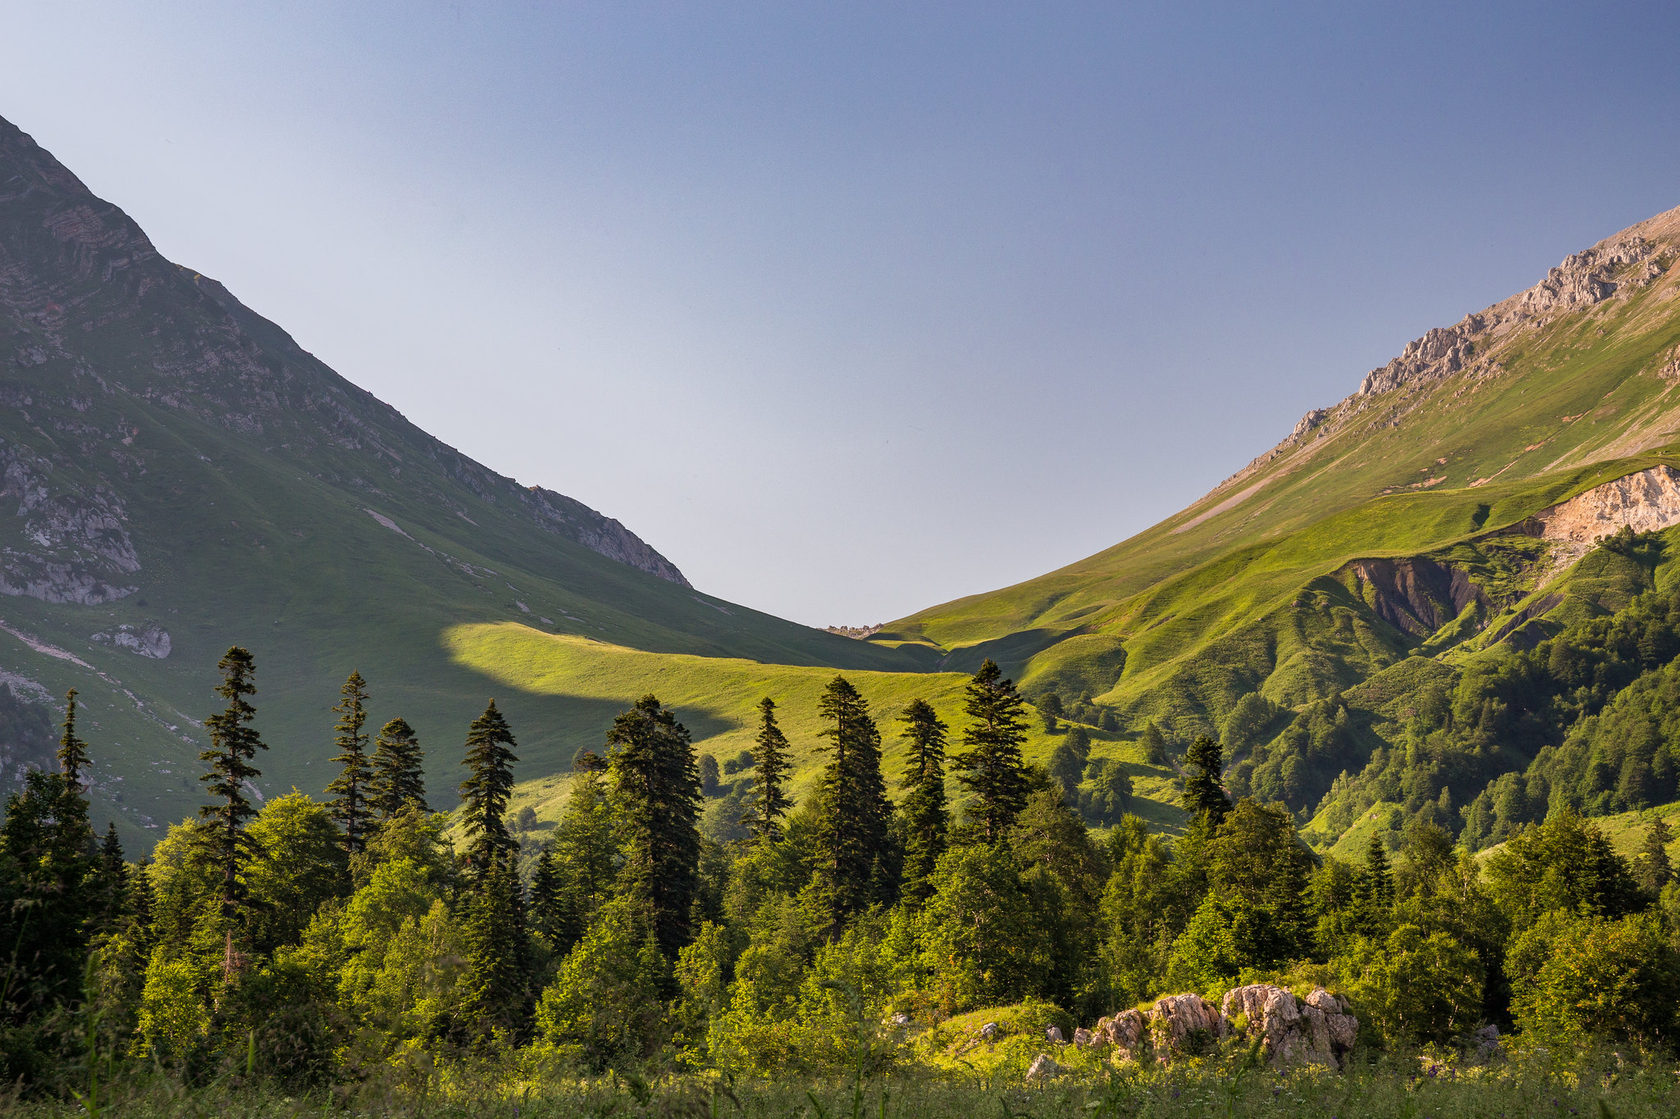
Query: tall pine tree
point(1204, 761)
point(925, 813)
point(485, 792)
point(72, 751)
point(854, 869)
point(768, 801)
point(398, 778)
point(990, 766)
point(586, 851)
point(656, 792)
point(349, 803)
point(234, 743)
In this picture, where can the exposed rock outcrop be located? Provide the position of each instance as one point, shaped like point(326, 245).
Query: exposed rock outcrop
point(149, 640)
point(1645, 502)
point(1180, 1024)
point(1317, 1030)
point(1415, 595)
point(1044, 1068)
point(1320, 1031)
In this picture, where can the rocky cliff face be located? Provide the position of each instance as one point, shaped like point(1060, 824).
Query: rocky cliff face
point(92, 320)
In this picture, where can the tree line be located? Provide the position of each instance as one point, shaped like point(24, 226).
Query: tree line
point(352, 938)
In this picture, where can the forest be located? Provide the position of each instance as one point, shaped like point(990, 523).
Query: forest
point(366, 947)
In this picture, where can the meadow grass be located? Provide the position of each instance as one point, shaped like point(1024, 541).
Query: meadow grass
point(1597, 1085)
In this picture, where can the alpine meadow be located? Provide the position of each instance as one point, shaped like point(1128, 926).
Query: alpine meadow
point(347, 775)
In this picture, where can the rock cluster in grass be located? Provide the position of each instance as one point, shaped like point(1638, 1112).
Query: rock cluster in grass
point(1318, 1030)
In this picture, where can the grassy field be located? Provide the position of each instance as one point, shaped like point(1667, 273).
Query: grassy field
point(1605, 1086)
point(717, 698)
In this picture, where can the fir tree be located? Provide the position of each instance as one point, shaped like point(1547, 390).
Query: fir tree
point(234, 743)
point(925, 813)
point(111, 880)
point(768, 802)
point(1655, 871)
point(1203, 763)
point(498, 998)
point(1376, 884)
point(46, 853)
point(72, 751)
point(553, 919)
point(398, 778)
point(349, 803)
point(990, 766)
point(485, 792)
point(853, 870)
point(656, 793)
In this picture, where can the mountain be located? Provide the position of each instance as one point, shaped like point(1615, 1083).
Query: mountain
point(1437, 519)
point(179, 475)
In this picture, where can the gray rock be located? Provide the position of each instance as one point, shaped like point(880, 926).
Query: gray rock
point(1044, 1068)
point(1054, 1033)
point(989, 1031)
point(147, 641)
point(1083, 1036)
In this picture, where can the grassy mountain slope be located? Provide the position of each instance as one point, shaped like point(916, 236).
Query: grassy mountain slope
point(1549, 400)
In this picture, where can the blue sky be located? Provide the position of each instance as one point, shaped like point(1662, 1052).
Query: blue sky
point(853, 309)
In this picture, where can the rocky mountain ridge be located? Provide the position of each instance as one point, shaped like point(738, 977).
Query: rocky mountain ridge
point(89, 307)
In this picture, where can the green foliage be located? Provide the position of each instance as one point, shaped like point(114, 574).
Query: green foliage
point(1414, 986)
point(925, 815)
point(604, 1007)
point(1575, 976)
point(298, 865)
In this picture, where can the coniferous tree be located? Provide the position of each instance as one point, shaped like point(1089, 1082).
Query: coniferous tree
point(1203, 763)
point(768, 802)
point(234, 743)
point(498, 965)
point(550, 902)
point(1376, 885)
point(656, 792)
point(926, 816)
point(110, 875)
point(990, 766)
point(485, 792)
point(46, 859)
point(72, 751)
point(398, 778)
point(350, 790)
point(854, 868)
point(1654, 868)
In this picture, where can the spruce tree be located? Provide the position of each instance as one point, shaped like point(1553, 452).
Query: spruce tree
point(234, 743)
point(498, 996)
point(656, 794)
point(767, 801)
point(398, 778)
point(1203, 763)
point(1376, 884)
point(1654, 868)
point(485, 792)
point(925, 813)
point(990, 767)
point(110, 875)
point(551, 903)
point(72, 751)
point(854, 868)
point(350, 790)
